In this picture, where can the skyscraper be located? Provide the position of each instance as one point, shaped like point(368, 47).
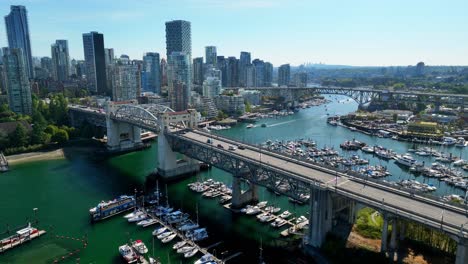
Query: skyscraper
point(93, 45)
point(198, 71)
point(221, 64)
point(244, 61)
point(178, 37)
point(210, 55)
point(268, 74)
point(259, 73)
point(232, 72)
point(46, 64)
point(179, 80)
point(151, 73)
point(163, 74)
point(17, 30)
point(125, 81)
point(16, 81)
point(109, 56)
point(284, 75)
point(60, 60)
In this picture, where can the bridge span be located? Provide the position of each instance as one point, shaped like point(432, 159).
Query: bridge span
point(332, 195)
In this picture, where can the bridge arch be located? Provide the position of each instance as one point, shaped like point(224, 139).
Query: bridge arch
point(144, 116)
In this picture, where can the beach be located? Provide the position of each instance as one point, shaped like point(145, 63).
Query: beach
point(35, 156)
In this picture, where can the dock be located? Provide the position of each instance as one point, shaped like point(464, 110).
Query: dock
point(3, 163)
point(181, 236)
point(6, 247)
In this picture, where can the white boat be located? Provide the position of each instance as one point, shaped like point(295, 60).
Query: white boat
point(163, 235)
point(406, 160)
point(448, 141)
point(252, 210)
point(179, 244)
point(384, 154)
point(285, 214)
point(278, 222)
point(208, 258)
point(147, 222)
point(422, 153)
point(461, 143)
point(459, 162)
point(191, 253)
point(197, 234)
point(301, 219)
point(137, 218)
point(133, 214)
point(188, 226)
point(168, 238)
point(249, 126)
point(367, 149)
point(182, 250)
point(140, 247)
point(262, 204)
point(128, 254)
point(159, 231)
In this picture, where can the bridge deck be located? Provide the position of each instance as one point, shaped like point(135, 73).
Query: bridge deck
point(394, 201)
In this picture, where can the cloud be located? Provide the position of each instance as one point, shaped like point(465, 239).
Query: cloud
point(237, 4)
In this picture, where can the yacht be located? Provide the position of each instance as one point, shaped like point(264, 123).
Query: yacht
point(367, 149)
point(182, 250)
point(406, 160)
point(168, 238)
point(159, 231)
point(208, 258)
point(133, 214)
point(461, 143)
point(448, 141)
point(191, 253)
point(250, 126)
point(262, 204)
point(138, 218)
point(252, 210)
point(147, 222)
point(285, 214)
point(422, 153)
point(278, 222)
point(128, 254)
point(197, 234)
point(188, 226)
point(385, 154)
point(179, 244)
point(165, 234)
point(140, 247)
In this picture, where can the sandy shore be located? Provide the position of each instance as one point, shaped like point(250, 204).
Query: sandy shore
point(36, 156)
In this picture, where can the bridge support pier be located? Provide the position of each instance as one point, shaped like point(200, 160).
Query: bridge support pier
point(393, 239)
point(320, 216)
point(383, 244)
point(239, 198)
point(462, 252)
point(168, 164)
point(122, 136)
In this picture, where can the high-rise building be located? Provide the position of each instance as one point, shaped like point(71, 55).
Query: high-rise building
point(284, 75)
point(125, 81)
point(232, 72)
point(250, 76)
point(211, 87)
point(93, 45)
point(178, 37)
point(17, 30)
point(268, 72)
point(420, 69)
point(222, 66)
point(244, 61)
point(109, 56)
point(179, 79)
point(151, 73)
point(210, 55)
point(301, 79)
point(259, 73)
point(46, 64)
point(17, 81)
point(163, 74)
point(198, 71)
point(60, 60)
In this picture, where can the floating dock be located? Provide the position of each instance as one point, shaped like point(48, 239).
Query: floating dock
point(21, 241)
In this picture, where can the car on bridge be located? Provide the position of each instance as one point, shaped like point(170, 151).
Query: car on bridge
point(231, 147)
point(240, 147)
point(209, 141)
point(220, 146)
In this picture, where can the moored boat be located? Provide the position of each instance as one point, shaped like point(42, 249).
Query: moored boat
point(107, 209)
point(128, 254)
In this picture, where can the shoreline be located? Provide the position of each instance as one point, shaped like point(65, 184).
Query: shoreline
point(35, 156)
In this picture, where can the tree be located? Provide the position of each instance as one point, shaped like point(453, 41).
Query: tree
point(60, 137)
point(51, 130)
point(248, 107)
point(3, 139)
point(19, 137)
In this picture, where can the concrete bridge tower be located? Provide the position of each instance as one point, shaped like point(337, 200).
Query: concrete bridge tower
point(120, 135)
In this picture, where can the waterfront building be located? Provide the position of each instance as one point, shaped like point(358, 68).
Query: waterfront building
point(268, 74)
point(60, 60)
point(423, 129)
point(244, 62)
point(284, 75)
point(210, 55)
point(198, 71)
point(125, 81)
point(232, 79)
point(16, 81)
point(179, 73)
point(151, 73)
point(93, 46)
point(178, 37)
point(17, 29)
point(211, 87)
point(230, 104)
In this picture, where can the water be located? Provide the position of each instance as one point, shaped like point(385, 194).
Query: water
point(64, 190)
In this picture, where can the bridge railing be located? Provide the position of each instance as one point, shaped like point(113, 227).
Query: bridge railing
point(362, 177)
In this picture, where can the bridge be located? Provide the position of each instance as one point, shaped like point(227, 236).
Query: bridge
point(332, 195)
point(365, 95)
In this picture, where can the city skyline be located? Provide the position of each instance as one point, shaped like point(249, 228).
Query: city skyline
point(361, 33)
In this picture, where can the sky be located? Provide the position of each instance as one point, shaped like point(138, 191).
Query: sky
point(357, 32)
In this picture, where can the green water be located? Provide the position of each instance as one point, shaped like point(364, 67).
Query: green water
point(64, 190)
